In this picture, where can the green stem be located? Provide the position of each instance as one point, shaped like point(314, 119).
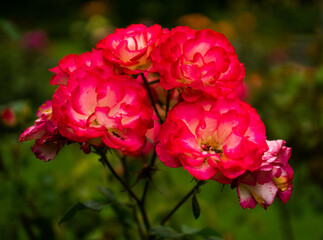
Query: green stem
point(125, 169)
point(131, 193)
point(151, 164)
point(134, 209)
point(165, 219)
point(151, 98)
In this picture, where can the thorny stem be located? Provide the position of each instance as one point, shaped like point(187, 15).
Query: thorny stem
point(151, 164)
point(134, 210)
point(125, 169)
point(153, 159)
point(165, 219)
point(131, 193)
point(151, 97)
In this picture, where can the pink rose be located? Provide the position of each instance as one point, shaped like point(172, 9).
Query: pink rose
point(8, 116)
point(35, 40)
point(151, 137)
point(48, 140)
point(103, 104)
point(130, 48)
point(198, 62)
point(273, 178)
point(212, 137)
point(75, 62)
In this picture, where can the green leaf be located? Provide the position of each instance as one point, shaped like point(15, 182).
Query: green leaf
point(91, 205)
point(196, 207)
point(94, 205)
point(108, 194)
point(189, 231)
point(71, 213)
point(165, 232)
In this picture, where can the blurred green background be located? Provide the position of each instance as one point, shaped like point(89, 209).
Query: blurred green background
point(281, 45)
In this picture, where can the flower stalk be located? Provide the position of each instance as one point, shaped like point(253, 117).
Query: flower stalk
point(106, 162)
point(180, 203)
point(151, 98)
point(151, 164)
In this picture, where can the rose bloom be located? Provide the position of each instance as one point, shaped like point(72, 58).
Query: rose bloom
point(97, 103)
point(8, 116)
point(130, 48)
point(210, 138)
point(48, 140)
point(151, 137)
point(198, 62)
point(74, 62)
point(274, 178)
point(36, 40)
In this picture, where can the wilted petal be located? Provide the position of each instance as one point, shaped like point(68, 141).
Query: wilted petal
point(264, 194)
point(47, 151)
point(245, 197)
point(34, 132)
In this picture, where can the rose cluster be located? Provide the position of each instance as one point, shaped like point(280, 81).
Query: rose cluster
point(172, 91)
